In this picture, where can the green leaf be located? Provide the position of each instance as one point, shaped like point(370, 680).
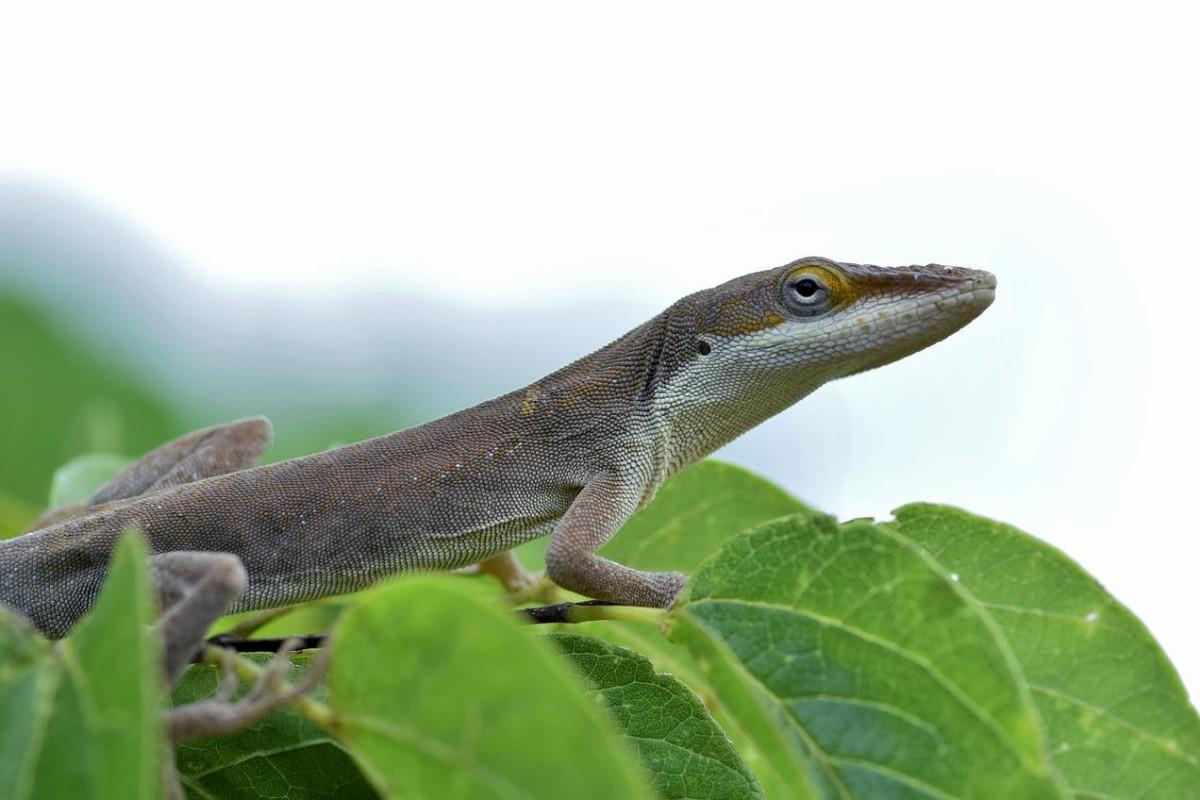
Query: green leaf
point(23, 676)
point(943, 655)
point(438, 693)
point(695, 513)
point(65, 760)
point(82, 720)
point(20, 644)
point(1115, 713)
point(300, 620)
point(868, 662)
point(690, 517)
point(281, 755)
point(78, 479)
point(119, 660)
point(685, 751)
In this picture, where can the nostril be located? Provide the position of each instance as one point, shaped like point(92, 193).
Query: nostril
point(977, 278)
point(982, 279)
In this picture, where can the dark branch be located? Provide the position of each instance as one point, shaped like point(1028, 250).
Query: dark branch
point(559, 612)
point(541, 615)
point(240, 645)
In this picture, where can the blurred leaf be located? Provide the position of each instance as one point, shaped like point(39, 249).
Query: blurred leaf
point(281, 755)
point(23, 678)
point(15, 514)
point(62, 755)
point(439, 694)
point(78, 479)
point(119, 657)
point(82, 721)
point(20, 644)
point(685, 752)
point(309, 618)
point(63, 398)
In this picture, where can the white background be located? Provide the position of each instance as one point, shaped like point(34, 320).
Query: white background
point(514, 157)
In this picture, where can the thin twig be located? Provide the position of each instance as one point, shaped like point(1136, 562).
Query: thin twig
point(561, 613)
point(231, 641)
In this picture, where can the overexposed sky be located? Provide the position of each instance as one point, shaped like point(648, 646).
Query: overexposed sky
point(514, 155)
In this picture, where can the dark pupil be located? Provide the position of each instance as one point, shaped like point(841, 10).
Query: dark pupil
point(807, 287)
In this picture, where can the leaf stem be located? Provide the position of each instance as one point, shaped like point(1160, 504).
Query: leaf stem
point(592, 611)
point(319, 713)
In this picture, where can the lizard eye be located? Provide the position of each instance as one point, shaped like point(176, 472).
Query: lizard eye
point(806, 287)
point(806, 296)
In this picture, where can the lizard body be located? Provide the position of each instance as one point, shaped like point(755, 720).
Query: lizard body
point(573, 455)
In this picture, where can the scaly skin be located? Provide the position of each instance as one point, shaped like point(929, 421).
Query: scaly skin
point(572, 455)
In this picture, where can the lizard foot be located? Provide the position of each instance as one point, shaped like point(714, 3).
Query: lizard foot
point(541, 590)
point(221, 716)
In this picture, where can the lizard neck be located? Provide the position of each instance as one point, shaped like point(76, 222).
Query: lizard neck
point(696, 423)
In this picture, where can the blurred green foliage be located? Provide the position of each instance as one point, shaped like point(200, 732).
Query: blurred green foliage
point(61, 400)
point(65, 397)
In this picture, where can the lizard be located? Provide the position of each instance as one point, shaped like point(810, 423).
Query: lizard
point(572, 456)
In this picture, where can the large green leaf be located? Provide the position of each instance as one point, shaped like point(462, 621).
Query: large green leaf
point(941, 656)
point(871, 661)
point(439, 693)
point(1116, 716)
point(281, 755)
point(82, 720)
point(686, 753)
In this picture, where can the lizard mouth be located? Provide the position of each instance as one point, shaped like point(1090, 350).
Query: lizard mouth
point(956, 295)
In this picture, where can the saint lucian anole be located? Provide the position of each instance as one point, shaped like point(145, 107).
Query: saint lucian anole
point(572, 455)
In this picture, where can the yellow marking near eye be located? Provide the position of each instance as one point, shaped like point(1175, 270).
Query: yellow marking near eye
point(842, 291)
point(740, 324)
point(768, 320)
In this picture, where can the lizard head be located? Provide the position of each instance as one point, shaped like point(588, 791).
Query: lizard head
point(833, 319)
point(760, 342)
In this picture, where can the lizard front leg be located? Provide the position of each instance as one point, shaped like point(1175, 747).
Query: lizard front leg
point(598, 512)
point(194, 589)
